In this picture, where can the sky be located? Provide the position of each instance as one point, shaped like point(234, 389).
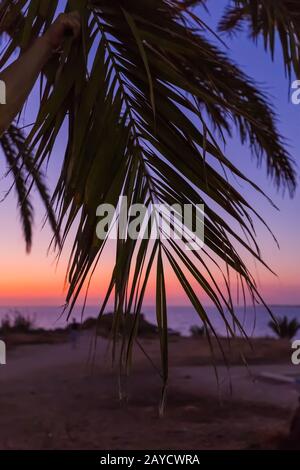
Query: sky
point(36, 279)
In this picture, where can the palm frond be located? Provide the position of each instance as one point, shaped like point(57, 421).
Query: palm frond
point(268, 19)
point(24, 204)
point(25, 174)
point(34, 176)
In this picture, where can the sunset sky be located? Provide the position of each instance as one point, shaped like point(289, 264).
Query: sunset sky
point(35, 280)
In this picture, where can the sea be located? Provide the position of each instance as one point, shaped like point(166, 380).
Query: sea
point(180, 318)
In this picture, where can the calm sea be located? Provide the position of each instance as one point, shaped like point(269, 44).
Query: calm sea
point(181, 318)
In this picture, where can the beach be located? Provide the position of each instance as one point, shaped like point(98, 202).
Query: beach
point(56, 397)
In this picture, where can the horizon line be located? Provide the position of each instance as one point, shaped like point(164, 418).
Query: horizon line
point(270, 305)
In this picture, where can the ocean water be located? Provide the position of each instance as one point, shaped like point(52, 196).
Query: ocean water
point(181, 318)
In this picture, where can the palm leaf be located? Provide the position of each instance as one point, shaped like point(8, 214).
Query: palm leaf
point(25, 206)
point(268, 19)
point(25, 174)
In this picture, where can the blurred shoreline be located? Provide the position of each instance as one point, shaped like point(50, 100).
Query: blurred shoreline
point(181, 318)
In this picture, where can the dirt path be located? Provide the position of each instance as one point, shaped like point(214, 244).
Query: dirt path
point(49, 399)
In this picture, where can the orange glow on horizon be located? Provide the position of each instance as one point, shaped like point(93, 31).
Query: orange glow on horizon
point(35, 279)
point(33, 286)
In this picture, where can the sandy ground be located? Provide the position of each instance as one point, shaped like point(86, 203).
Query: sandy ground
point(51, 397)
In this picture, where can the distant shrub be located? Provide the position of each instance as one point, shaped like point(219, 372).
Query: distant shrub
point(197, 331)
point(16, 322)
point(105, 324)
point(285, 328)
point(5, 324)
point(22, 323)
